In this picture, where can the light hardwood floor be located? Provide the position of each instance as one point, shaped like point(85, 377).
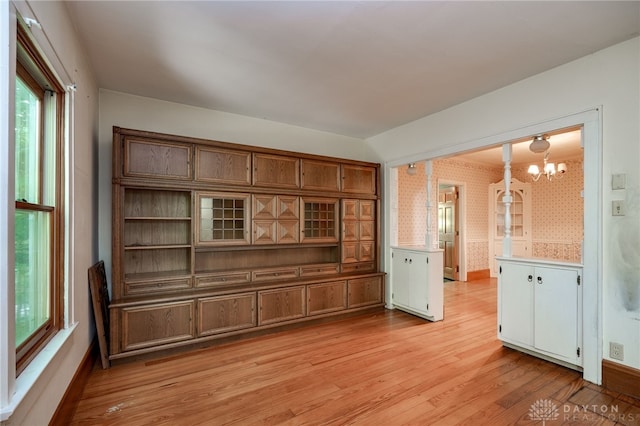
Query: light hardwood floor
point(388, 368)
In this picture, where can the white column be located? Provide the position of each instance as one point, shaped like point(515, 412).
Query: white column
point(507, 199)
point(430, 240)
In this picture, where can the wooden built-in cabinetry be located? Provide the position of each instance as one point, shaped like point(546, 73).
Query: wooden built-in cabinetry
point(213, 239)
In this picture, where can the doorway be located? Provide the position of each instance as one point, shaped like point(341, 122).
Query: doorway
point(449, 229)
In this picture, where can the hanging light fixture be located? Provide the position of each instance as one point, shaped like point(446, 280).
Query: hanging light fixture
point(539, 144)
point(411, 169)
point(549, 170)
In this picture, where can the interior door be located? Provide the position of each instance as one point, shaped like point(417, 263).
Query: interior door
point(448, 230)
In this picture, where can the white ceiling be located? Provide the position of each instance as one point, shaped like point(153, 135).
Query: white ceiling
point(351, 68)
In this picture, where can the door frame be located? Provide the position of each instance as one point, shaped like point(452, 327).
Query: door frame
point(591, 122)
point(462, 217)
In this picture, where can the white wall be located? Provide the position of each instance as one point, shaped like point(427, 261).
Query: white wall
point(60, 45)
point(609, 78)
point(135, 112)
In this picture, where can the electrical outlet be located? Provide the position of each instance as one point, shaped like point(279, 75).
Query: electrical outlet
point(616, 351)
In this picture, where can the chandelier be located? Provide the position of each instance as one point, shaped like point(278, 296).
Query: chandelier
point(549, 170)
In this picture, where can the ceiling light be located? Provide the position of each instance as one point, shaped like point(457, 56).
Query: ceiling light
point(540, 144)
point(549, 170)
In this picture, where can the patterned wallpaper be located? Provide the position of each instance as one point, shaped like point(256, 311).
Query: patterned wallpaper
point(557, 209)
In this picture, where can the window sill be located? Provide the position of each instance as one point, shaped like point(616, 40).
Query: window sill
point(30, 375)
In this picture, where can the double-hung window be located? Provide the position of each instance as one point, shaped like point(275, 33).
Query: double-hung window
point(39, 248)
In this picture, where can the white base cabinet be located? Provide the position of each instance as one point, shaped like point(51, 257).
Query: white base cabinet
point(540, 308)
point(417, 282)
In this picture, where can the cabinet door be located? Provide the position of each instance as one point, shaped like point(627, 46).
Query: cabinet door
point(276, 171)
point(281, 304)
point(226, 166)
point(358, 179)
point(419, 284)
point(400, 277)
point(515, 316)
point(320, 219)
point(326, 297)
point(226, 313)
point(556, 311)
point(144, 158)
point(364, 292)
point(158, 324)
point(320, 175)
point(222, 218)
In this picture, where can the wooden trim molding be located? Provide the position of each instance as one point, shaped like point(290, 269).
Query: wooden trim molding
point(480, 274)
point(620, 378)
point(69, 402)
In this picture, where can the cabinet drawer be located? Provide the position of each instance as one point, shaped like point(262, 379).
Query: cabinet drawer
point(281, 305)
point(364, 291)
point(152, 325)
point(275, 274)
point(321, 269)
point(238, 277)
point(326, 297)
point(358, 267)
point(155, 159)
point(226, 313)
point(156, 286)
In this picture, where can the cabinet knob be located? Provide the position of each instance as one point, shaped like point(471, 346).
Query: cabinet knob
point(406, 260)
point(410, 260)
point(539, 280)
point(530, 278)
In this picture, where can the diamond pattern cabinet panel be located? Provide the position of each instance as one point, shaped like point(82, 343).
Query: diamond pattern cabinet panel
point(288, 207)
point(264, 206)
point(366, 251)
point(350, 252)
point(349, 209)
point(366, 210)
point(350, 231)
point(288, 231)
point(367, 231)
point(358, 231)
point(264, 232)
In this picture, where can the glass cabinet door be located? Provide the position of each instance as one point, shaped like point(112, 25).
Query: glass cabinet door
point(222, 218)
point(517, 214)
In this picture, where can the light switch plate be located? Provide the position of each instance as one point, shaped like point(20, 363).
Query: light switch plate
point(618, 181)
point(618, 208)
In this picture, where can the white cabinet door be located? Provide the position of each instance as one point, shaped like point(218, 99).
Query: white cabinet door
point(539, 309)
point(416, 278)
point(515, 319)
point(556, 311)
point(419, 290)
point(400, 277)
